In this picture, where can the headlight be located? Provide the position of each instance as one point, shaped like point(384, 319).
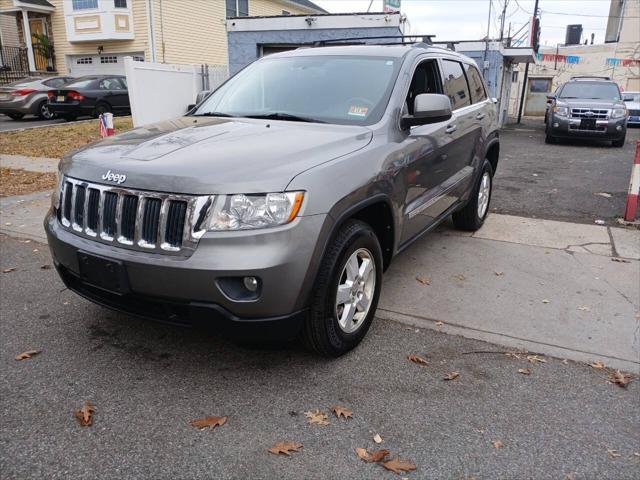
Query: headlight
point(561, 111)
point(244, 212)
point(618, 113)
point(55, 196)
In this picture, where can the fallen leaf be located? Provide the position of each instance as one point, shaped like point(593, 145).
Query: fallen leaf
point(377, 456)
point(584, 309)
point(423, 280)
point(345, 412)
point(417, 359)
point(546, 300)
point(85, 414)
point(599, 222)
point(536, 358)
point(209, 422)
point(377, 438)
point(27, 354)
point(35, 250)
point(45, 267)
point(439, 323)
point(603, 194)
point(9, 270)
point(285, 448)
point(499, 274)
point(317, 417)
point(620, 378)
point(396, 465)
point(451, 376)
point(620, 260)
point(597, 365)
point(569, 476)
point(497, 444)
point(636, 454)
point(613, 453)
point(524, 371)
point(461, 277)
point(565, 361)
point(514, 354)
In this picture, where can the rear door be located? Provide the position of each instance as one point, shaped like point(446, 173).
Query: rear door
point(114, 92)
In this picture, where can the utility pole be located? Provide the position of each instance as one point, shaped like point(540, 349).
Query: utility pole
point(526, 68)
point(503, 18)
point(486, 41)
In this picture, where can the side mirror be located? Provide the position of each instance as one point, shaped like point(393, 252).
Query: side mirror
point(428, 108)
point(191, 106)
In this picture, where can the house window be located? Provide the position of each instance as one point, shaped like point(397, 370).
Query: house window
point(84, 4)
point(109, 59)
point(84, 61)
point(237, 8)
point(138, 58)
point(120, 3)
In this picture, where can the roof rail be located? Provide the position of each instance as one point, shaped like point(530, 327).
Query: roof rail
point(589, 77)
point(425, 40)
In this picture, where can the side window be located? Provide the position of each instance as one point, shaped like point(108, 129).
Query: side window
point(478, 93)
point(54, 82)
point(455, 84)
point(426, 79)
point(110, 84)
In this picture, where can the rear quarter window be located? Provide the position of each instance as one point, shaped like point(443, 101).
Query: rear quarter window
point(478, 93)
point(455, 84)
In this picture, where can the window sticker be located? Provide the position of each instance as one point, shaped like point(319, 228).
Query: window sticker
point(356, 111)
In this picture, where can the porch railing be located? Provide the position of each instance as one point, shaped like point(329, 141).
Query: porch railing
point(14, 64)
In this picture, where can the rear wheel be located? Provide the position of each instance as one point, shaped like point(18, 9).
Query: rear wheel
point(16, 116)
point(619, 143)
point(472, 216)
point(346, 292)
point(43, 111)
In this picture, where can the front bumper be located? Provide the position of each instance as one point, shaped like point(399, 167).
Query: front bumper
point(189, 291)
point(570, 128)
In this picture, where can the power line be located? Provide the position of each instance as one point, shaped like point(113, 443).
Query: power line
point(585, 15)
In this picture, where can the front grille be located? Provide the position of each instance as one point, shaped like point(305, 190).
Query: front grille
point(590, 113)
point(136, 219)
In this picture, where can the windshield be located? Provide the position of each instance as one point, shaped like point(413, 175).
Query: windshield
point(591, 90)
point(347, 90)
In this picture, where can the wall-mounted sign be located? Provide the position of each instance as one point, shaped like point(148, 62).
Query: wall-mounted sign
point(391, 6)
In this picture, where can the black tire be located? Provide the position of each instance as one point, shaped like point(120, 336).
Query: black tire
point(69, 117)
point(322, 333)
point(43, 111)
point(101, 108)
point(619, 143)
point(468, 218)
point(15, 116)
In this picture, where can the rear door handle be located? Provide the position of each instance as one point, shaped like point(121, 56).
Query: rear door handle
point(451, 128)
point(480, 116)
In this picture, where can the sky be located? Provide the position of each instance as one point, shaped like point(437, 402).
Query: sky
point(467, 19)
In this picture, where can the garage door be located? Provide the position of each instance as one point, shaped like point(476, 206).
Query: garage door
point(107, 63)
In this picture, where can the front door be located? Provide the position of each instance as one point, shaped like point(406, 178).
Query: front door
point(537, 91)
point(41, 52)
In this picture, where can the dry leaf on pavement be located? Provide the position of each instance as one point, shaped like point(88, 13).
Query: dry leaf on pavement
point(613, 453)
point(536, 358)
point(597, 365)
point(524, 371)
point(497, 444)
point(423, 280)
point(45, 267)
point(569, 476)
point(461, 277)
point(377, 438)
point(317, 417)
point(417, 359)
point(451, 376)
point(209, 422)
point(9, 270)
point(377, 456)
point(398, 466)
point(27, 354)
point(285, 448)
point(620, 260)
point(499, 274)
point(342, 411)
point(546, 300)
point(620, 378)
point(439, 323)
point(85, 414)
point(584, 308)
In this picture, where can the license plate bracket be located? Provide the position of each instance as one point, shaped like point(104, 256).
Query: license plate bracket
point(587, 124)
point(104, 273)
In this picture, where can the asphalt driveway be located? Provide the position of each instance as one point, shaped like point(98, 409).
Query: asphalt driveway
point(7, 124)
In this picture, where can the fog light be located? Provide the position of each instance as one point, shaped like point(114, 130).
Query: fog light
point(251, 283)
point(556, 125)
point(619, 127)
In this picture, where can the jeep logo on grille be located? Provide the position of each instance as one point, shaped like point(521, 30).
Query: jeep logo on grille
point(114, 177)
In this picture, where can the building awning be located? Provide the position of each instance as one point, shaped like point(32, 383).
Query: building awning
point(519, 54)
point(40, 6)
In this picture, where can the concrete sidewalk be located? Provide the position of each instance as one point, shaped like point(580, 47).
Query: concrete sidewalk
point(562, 289)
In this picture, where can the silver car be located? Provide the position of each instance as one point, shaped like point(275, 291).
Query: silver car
point(28, 96)
point(273, 207)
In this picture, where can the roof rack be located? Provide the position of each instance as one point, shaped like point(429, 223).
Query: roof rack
point(589, 77)
point(424, 40)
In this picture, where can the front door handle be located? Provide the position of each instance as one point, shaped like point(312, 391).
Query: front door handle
point(451, 128)
point(480, 116)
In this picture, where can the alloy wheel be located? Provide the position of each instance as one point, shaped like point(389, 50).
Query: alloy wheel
point(355, 290)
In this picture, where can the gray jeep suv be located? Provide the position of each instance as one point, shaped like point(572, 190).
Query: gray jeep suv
point(273, 207)
point(587, 107)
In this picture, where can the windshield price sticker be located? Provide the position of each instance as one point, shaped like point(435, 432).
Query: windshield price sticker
point(358, 111)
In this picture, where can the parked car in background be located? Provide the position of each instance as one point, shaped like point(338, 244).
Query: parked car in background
point(632, 100)
point(90, 96)
point(28, 96)
point(587, 107)
point(274, 206)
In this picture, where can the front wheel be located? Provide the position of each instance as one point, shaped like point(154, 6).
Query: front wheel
point(346, 292)
point(619, 143)
point(472, 216)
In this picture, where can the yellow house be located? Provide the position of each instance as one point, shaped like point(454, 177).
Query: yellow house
point(93, 36)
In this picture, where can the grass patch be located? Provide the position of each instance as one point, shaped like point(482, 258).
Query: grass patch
point(56, 140)
point(19, 182)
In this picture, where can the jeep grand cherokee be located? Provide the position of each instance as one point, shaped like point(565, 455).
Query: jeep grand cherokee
point(274, 206)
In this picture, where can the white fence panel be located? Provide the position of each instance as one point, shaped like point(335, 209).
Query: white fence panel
point(160, 91)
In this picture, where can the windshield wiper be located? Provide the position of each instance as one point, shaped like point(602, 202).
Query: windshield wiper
point(284, 116)
point(213, 114)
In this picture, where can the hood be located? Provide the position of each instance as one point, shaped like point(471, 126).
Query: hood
point(205, 155)
point(590, 103)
